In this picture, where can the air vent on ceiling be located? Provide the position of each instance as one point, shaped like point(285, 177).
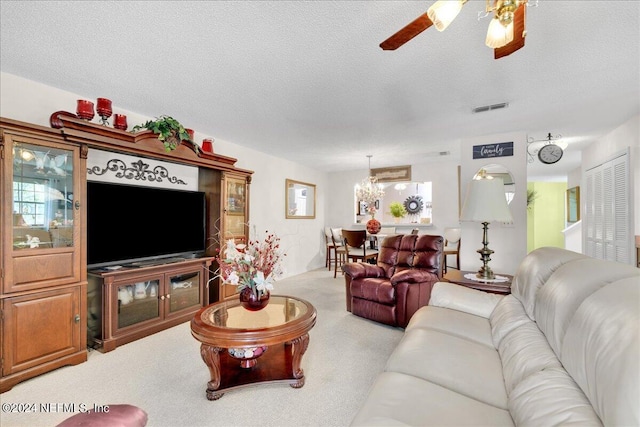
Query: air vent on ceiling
point(490, 107)
point(437, 153)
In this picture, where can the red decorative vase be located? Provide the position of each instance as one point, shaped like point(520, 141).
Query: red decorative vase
point(84, 109)
point(251, 301)
point(373, 226)
point(104, 109)
point(120, 121)
point(207, 145)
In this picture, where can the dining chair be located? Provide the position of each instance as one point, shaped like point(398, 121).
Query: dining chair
point(356, 246)
point(331, 245)
point(452, 239)
point(339, 248)
point(330, 248)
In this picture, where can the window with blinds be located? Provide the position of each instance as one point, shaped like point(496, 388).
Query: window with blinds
point(607, 217)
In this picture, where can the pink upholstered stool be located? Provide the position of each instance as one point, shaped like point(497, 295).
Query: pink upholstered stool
point(118, 416)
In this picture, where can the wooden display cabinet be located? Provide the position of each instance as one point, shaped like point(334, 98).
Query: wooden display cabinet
point(234, 218)
point(228, 207)
point(43, 266)
point(43, 292)
point(130, 303)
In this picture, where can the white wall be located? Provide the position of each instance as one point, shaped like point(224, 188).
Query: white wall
point(443, 173)
point(508, 242)
point(32, 102)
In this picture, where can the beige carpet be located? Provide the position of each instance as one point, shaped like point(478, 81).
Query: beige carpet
point(164, 374)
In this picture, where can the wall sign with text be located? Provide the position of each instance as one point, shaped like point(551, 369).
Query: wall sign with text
point(487, 151)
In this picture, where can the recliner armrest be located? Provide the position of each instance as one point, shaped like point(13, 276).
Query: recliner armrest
point(413, 276)
point(357, 270)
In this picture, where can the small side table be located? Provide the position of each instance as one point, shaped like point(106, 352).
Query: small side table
point(457, 277)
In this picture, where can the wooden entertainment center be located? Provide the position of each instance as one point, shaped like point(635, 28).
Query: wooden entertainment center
point(47, 296)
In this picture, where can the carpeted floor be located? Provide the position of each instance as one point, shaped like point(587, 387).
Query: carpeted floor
point(165, 375)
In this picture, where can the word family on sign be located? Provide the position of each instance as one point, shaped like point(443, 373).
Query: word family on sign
point(486, 151)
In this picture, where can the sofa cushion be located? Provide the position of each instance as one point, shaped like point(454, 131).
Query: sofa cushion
point(601, 351)
point(551, 398)
point(461, 298)
point(466, 367)
point(405, 252)
point(374, 289)
point(388, 254)
point(534, 271)
point(567, 288)
point(427, 253)
point(507, 316)
point(463, 325)
point(402, 400)
point(524, 352)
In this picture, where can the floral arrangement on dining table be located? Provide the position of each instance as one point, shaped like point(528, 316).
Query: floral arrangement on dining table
point(255, 265)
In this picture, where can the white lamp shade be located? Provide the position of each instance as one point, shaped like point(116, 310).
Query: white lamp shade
point(486, 202)
point(443, 12)
point(498, 35)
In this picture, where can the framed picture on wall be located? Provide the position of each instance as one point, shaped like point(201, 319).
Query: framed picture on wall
point(573, 204)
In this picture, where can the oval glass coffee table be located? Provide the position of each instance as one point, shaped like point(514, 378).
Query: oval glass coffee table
point(242, 347)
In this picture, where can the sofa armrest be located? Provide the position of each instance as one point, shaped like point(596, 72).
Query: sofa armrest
point(356, 270)
point(413, 276)
point(457, 297)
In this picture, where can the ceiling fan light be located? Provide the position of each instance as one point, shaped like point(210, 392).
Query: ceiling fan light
point(443, 12)
point(498, 35)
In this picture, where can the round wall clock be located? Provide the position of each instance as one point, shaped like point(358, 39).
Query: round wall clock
point(413, 205)
point(550, 154)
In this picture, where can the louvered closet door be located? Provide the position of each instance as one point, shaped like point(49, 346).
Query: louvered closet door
point(607, 216)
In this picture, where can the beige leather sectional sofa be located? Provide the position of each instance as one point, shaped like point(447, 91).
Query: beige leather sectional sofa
point(562, 349)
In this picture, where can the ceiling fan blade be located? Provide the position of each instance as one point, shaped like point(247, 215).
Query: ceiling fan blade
point(519, 33)
point(411, 30)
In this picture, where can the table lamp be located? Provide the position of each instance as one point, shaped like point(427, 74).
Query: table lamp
point(485, 202)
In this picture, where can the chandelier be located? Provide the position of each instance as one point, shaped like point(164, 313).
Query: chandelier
point(370, 191)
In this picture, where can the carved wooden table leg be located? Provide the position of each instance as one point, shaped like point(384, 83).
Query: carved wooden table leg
point(211, 357)
point(299, 347)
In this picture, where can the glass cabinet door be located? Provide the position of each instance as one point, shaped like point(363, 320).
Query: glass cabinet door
point(184, 291)
point(235, 217)
point(138, 302)
point(42, 196)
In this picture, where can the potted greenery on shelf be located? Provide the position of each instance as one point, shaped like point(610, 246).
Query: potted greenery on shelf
point(169, 131)
point(397, 210)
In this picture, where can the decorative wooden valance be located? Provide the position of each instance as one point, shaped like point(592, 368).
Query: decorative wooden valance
point(143, 143)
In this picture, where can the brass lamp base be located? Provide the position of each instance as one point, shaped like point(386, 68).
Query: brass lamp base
point(485, 271)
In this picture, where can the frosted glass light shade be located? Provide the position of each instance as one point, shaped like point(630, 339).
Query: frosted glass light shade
point(486, 202)
point(498, 35)
point(443, 12)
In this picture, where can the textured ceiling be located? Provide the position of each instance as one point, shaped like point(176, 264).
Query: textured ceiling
point(307, 80)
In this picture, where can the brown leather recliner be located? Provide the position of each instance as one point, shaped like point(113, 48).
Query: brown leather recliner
point(391, 291)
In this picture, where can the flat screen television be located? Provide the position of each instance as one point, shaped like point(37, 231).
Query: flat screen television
point(132, 224)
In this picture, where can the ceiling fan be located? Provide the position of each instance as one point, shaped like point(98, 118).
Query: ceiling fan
point(505, 35)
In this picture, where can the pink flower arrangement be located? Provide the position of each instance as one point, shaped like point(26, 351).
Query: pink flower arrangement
point(255, 265)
